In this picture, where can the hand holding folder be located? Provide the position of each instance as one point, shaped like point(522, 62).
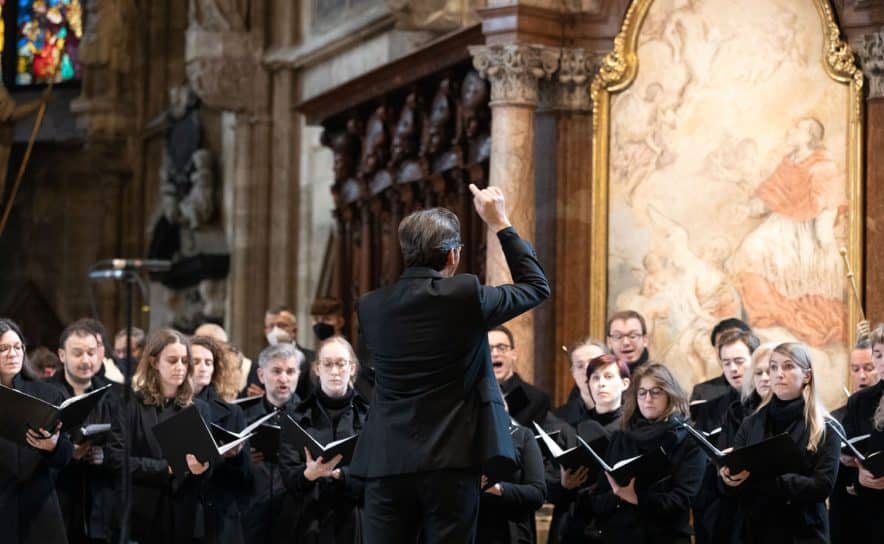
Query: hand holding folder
point(300, 438)
point(772, 457)
point(186, 433)
point(572, 458)
point(20, 412)
point(646, 469)
point(873, 462)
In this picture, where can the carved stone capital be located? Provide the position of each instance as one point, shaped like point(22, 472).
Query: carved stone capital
point(221, 68)
point(514, 70)
point(568, 89)
point(870, 50)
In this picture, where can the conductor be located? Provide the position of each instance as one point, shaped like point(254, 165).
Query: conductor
point(437, 420)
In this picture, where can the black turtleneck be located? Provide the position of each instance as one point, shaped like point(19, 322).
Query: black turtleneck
point(608, 417)
point(334, 407)
point(643, 358)
point(782, 413)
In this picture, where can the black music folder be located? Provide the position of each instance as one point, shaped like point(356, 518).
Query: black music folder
point(873, 462)
point(247, 402)
point(771, 457)
point(572, 458)
point(187, 432)
point(646, 469)
point(301, 439)
point(542, 444)
point(20, 412)
point(224, 436)
point(266, 441)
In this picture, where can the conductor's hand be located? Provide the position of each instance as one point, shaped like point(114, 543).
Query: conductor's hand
point(316, 468)
point(490, 206)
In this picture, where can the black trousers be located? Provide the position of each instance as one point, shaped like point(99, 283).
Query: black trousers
point(438, 507)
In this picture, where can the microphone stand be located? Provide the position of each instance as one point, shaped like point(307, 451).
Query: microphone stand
point(129, 278)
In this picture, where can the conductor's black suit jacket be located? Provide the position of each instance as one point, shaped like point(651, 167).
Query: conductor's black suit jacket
point(436, 402)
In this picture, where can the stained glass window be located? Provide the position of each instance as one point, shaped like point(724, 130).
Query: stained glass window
point(48, 38)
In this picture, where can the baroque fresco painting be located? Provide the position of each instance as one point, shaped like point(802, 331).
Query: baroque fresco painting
point(728, 183)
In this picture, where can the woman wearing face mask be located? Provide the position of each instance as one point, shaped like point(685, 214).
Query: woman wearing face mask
point(607, 379)
point(163, 510)
point(655, 406)
point(865, 415)
point(29, 505)
point(329, 498)
point(230, 481)
point(790, 507)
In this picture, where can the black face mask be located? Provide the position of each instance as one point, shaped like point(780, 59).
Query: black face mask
point(323, 331)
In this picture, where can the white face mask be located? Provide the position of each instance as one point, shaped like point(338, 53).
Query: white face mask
point(278, 336)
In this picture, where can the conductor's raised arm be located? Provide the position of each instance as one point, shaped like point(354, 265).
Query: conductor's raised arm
point(530, 286)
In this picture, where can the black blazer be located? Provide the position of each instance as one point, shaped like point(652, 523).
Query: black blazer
point(663, 511)
point(269, 508)
point(574, 410)
point(227, 490)
point(29, 511)
point(436, 402)
point(790, 507)
point(509, 518)
point(868, 503)
point(538, 401)
point(86, 491)
point(328, 509)
point(163, 510)
point(710, 389)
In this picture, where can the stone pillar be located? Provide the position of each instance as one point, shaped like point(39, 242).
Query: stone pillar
point(870, 50)
point(565, 129)
point(514, 71)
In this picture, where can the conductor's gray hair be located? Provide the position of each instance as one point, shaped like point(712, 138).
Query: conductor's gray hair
point(426, 237)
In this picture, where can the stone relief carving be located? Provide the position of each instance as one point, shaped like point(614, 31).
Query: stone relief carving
point(568, 89)
point(186, 231)
point(105, 57)
point(435, 15)
point(475, 117)
point(514, 70)
point(221, 56)
point(870, 49)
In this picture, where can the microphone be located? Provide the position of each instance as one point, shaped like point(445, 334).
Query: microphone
point(148, 265)
point(107, 274)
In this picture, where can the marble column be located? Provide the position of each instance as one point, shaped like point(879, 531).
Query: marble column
point(870, 50)
point(514, 71)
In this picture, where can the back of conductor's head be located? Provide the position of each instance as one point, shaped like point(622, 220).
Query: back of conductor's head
point(427, 236)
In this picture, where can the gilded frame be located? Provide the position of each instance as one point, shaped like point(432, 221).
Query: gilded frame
point(616, 73)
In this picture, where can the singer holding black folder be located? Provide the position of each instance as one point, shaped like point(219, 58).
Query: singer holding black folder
point(437, 417)
point(231, 478)
point(328, 497)
point(650, 512)
point(29, 510)
point(789, 507)
point(164, 505)
point(865, 416)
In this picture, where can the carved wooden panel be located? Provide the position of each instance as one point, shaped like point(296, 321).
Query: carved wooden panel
point(413, 148)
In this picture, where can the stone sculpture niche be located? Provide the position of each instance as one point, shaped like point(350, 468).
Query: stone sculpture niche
point(187, 229)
